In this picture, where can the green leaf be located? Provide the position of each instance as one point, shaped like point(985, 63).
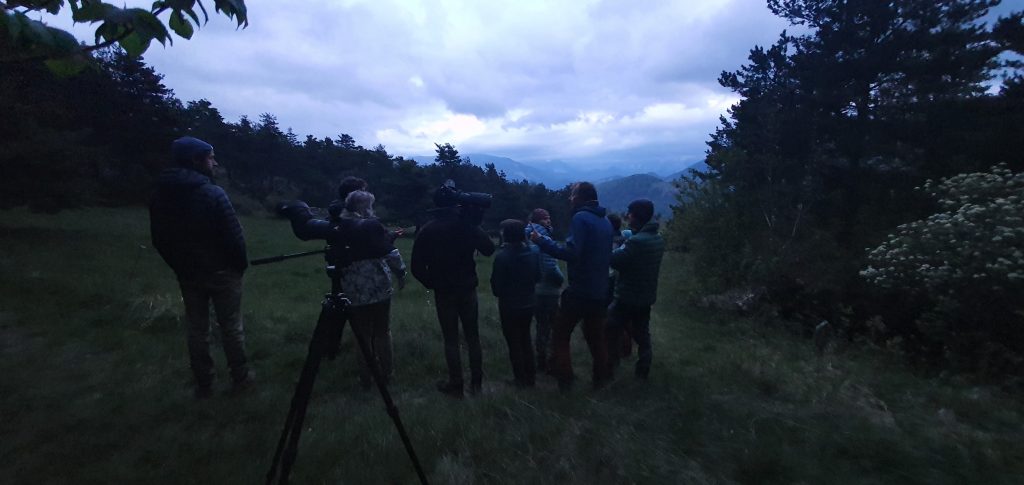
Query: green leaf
point(53, 6)
point(68, 66)
point(135, 44)
point(147, 26)
point(180, 25)
point(90, 11)
point(233, 9)
point(192, 13)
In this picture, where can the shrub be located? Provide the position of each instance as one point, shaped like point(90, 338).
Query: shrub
point(967, 263)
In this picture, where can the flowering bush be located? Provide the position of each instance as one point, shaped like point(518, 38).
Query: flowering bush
point(975, 241)
point(967, 260)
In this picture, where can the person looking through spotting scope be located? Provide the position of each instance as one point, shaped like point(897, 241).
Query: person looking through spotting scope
point(442, 260)
point(587, 251)
point(196, 232)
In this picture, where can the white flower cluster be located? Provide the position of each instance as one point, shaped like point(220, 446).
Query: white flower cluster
point(976, 240)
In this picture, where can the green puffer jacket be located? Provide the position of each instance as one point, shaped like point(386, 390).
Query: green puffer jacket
point(638, 262)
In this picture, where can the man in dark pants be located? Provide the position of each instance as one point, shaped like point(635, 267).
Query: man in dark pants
point(442, 260)
point(587, 251)
point(195, 230)
point(638, 262)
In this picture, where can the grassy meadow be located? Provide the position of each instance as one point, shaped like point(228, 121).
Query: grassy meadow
point(96, 388)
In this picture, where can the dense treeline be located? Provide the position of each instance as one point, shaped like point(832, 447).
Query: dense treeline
point(99, 137)
point(819, 162)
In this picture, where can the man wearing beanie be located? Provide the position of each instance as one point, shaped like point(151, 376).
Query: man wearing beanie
point(195, 230)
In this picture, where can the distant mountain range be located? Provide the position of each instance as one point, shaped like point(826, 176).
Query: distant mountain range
point(616, 194)
point(615, 188)
point(556, 174)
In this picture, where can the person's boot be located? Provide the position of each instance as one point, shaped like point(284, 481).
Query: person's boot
point(476, 385)
point(243, 384)
point(450, 388)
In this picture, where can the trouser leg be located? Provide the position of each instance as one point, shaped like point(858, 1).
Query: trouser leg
point(560, 363)
point(197, 316)
point(469, 314)
point(448, 317)
point(508, 329)
point(226, 291)
point(642, 334)
point(547, 308)
point(594, 322)
point(616, 323)
point(525, 343)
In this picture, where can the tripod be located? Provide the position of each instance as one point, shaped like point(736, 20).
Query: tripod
point(334, 313)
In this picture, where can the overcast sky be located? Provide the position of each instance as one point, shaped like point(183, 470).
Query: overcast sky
point(579, 81)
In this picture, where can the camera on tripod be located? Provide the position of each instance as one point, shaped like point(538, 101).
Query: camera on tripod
point(470, 205)
point(447, 196)
point(347, 240)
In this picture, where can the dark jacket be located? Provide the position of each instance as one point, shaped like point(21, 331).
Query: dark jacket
point(515, 272)
point(194, 226)
point(442, 255)
point(351, 239)
point(551, 278)
point(587, 251)
point(638, 262)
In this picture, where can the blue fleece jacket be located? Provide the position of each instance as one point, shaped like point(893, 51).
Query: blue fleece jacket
point(587, 252)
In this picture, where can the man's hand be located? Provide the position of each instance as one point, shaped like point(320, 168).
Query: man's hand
point(535, 236)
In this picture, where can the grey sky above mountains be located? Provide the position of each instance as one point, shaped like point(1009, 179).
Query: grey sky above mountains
point(586, 82)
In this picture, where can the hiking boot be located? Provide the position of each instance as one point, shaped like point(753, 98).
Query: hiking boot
point(450, 388)
point(244, 384)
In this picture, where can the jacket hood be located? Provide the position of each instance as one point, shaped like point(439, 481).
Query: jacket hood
point(650, 227)
point(593, 208)
point(182, 177)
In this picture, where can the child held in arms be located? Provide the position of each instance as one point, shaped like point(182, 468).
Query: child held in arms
point(516, 271)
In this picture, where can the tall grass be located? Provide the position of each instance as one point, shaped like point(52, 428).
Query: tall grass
point(96, 388)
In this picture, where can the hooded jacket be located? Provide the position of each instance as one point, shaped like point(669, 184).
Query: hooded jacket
point(638, 262)
point(587, 252)
point(194, 226)
point(516, 269)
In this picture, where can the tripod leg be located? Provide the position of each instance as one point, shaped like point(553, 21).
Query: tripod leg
point(378, 378)
point(287, 446)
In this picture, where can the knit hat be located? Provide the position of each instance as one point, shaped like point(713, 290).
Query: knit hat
point(186, 149)
point(538, 215)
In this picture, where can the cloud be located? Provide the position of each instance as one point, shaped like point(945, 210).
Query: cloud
point(580, 81)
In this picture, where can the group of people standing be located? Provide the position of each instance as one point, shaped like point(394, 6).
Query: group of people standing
point(612, 279)
point(527, 281)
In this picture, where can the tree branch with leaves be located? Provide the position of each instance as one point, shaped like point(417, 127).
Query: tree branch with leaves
point(133, 29)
